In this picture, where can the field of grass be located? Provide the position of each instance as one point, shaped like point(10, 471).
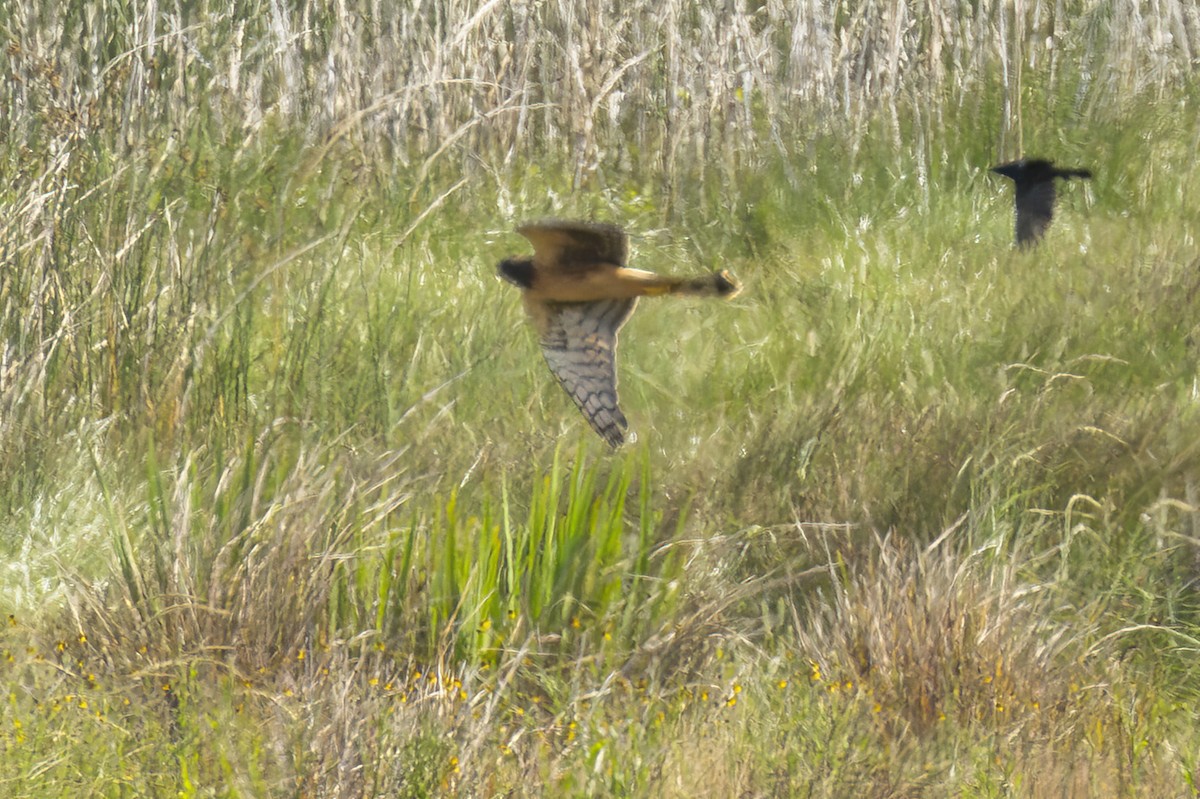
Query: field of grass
point(291, 506)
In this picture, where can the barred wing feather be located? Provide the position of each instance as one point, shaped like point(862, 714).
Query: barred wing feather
point(579, 342)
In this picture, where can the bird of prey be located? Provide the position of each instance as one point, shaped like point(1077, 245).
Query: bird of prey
point(578, 292)
point(1035, 194)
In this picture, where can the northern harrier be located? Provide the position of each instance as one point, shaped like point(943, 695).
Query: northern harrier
point(1035, 194)
point(578, 292)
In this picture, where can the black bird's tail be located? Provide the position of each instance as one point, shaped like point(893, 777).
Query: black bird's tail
point(1074, 173)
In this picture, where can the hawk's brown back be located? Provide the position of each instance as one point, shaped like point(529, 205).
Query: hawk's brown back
point(565, 244)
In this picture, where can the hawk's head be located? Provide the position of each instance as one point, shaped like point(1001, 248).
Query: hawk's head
point(518, 271)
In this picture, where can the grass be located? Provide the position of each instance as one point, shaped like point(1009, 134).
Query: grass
point(292, 507)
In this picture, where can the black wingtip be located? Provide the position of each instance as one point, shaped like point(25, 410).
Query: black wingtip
point(612, 430)
point(614, 439)
point(1003, 169)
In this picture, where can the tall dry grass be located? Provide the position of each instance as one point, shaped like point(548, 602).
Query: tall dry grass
point(481, 88)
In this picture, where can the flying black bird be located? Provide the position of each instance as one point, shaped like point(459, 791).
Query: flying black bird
point(1035, 194)
point(578, 292)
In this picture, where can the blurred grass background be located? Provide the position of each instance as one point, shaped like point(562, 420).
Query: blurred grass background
point(290, 505)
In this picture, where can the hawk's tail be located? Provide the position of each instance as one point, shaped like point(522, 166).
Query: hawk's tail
point(718, 284)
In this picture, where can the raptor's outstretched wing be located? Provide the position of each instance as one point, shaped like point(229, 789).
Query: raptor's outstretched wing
point(563, 244)
point(579, 341)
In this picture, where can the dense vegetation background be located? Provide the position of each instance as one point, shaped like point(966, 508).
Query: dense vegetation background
point(290, 506)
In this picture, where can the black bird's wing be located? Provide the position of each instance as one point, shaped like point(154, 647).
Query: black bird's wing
point(1035, 209)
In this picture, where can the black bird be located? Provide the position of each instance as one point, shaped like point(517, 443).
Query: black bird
point(1035, 194)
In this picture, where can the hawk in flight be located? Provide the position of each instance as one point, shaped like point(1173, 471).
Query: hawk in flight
point(578, 292)
point(1035, 194)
